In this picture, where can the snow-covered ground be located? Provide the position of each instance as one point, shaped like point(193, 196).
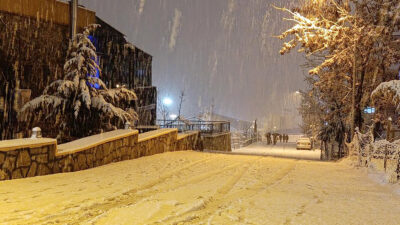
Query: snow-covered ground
point(286, 150)
point(202, 188)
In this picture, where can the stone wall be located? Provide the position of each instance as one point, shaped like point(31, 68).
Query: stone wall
point(190, 141)
point(22, 158)
point(218, 142)
point(158, 141)
point(102, 154)
point(29, 160)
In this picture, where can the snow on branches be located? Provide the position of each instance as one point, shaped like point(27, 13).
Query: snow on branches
point(347, 42)
point(75, 100)
point(387, 93)
point(341, 34)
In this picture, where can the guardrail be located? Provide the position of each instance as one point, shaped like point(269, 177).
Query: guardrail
point(205, 127)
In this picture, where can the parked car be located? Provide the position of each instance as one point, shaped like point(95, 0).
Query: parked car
point(304, 143)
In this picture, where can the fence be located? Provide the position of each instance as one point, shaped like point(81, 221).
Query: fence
point(383, 155)
point(205, 127)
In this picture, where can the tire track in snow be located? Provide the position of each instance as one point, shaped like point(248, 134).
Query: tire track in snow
point(96, 209)
point(191, 213)
point(256, 189)
point(218, 205)
point(193, 180)
point(221, 199)
point(300, 211)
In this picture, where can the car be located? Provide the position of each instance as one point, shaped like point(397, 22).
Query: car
point(304, 143)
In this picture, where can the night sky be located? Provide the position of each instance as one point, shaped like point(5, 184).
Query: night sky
point(216, 50)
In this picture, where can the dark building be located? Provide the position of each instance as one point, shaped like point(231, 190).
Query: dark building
point(34, 36)
point(124, 64)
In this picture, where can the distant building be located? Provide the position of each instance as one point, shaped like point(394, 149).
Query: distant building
point(34, 36)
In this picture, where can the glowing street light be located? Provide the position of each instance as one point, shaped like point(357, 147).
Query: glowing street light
point(167, 101)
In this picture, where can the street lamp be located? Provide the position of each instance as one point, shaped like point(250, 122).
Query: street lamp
point(167, 101)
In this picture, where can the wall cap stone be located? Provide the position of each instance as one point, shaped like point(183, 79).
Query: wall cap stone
point(11, 145)
point(156, 133)
point(215, 135)
point(187, 134)
point(93, 141)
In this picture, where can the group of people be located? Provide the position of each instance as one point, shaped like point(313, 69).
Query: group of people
point(272, 138)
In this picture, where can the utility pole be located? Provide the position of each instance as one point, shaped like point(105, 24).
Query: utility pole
point(212, 109)
point(73, 17)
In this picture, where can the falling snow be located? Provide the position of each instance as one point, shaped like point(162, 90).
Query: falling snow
point(219, 50)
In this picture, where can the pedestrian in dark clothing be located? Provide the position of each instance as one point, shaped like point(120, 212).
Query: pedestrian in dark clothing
point(275, 135)
point(280, 138)
point(269, 141)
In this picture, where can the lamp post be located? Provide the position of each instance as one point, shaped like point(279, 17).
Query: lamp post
point(166, 102)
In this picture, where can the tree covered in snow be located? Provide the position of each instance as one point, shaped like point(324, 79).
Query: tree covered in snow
point(387, 93)
point(80, 104)
point(345, 37)
point(311, 111)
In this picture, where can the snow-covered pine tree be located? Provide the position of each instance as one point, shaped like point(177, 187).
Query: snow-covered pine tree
point(73, 106)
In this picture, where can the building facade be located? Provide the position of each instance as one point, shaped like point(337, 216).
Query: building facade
point(34, 37)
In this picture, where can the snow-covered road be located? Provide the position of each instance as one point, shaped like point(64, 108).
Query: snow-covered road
point(202, 188)
point(285, 150)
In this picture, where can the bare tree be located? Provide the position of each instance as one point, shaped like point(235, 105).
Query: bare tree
point(181, 100)
point(162, 108)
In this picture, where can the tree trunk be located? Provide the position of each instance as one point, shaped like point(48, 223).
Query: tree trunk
point(358, 120)
point(327, 151)
point(332, 152)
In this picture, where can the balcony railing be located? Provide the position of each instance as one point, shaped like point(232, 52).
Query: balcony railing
point(205, 127)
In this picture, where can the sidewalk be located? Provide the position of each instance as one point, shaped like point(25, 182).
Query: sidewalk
point(284, 150)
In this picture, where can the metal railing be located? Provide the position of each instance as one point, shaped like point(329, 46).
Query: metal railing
point(205, 127)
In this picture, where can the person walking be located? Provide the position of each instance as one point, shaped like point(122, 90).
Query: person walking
point(269, 138)
point(275, 136)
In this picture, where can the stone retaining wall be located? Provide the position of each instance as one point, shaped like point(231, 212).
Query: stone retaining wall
point(113, 151)
point(154, 142)
point(39, 157)
point(219, 142)
point(27, 161)
point(189, 141)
